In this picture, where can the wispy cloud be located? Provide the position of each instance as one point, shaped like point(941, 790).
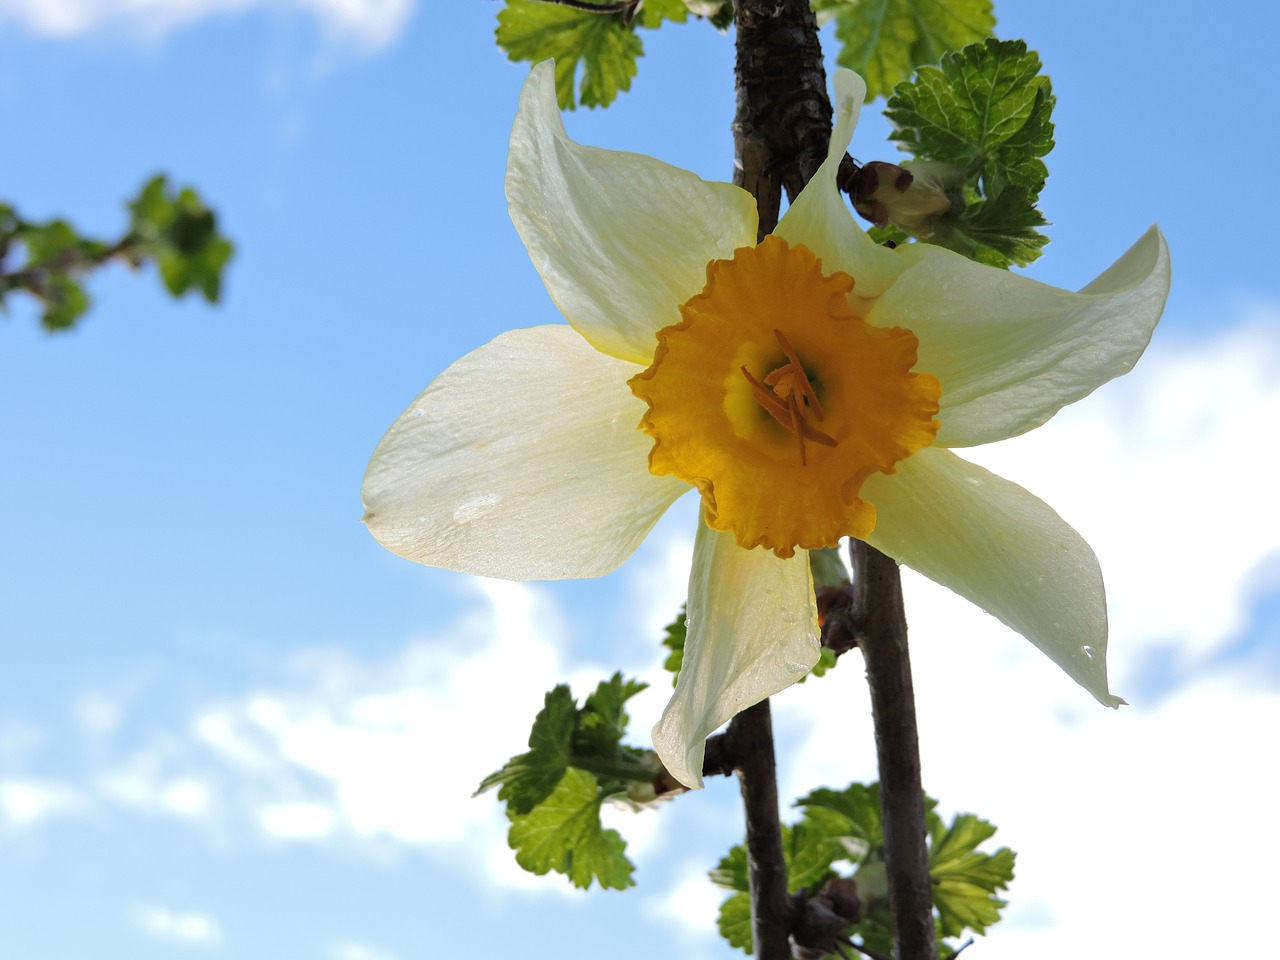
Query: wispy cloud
point(367, 24)
point(188, 927)
point(26, 803)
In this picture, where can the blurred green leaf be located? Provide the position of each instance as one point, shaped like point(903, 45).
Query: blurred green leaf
point(673, 639)
point(885, 40)
point(177, 231)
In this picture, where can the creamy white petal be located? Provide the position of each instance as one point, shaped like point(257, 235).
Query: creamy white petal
point(1010, 351)
point(995, 544)
point(523, 461)
point(821, 218)
point(753, 631)
point(620, 239)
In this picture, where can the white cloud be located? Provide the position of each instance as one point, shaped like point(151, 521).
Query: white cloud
point(188, 927)
point(392, 752)
point(147, 783)
point(368, 24)
point(691, 904)
point(297, 821)
point(27, 802)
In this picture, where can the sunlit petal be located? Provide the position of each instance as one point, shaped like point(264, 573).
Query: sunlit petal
point(520, 461)
point(620, 239)
point(753, 631)
point(820, 218)
point(995, 544)
point(1010, 351)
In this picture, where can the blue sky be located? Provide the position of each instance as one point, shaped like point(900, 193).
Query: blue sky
point(233, 726)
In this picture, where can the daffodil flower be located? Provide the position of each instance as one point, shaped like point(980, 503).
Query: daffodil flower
point(810, 387)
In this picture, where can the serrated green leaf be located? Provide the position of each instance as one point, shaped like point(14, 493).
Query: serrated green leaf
point(602, 722)
point(857, 806)
point(604, 47)
point(734, 922)
point(811, 849)
point(530, 778)
point(885, 40)
point(563, 833)
point(964, 879)
point(673, 640)
point(844, 825)
point(985, 110)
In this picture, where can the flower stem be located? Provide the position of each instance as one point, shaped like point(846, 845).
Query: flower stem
point(882, 637)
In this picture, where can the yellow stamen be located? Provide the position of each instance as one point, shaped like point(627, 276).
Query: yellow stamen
point(781, 403)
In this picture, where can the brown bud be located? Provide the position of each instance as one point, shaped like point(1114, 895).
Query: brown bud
point(911, 198)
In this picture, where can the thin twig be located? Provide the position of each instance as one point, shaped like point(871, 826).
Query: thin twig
point(751, 733)
point(627, 8)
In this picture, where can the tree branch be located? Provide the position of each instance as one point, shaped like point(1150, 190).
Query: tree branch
point(882, 635)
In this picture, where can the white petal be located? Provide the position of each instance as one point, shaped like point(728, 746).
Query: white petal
point(523, 461)
point(621, 240)
point(995, 544)
point(821, 219)
point(753, 631)
point(1010, 351)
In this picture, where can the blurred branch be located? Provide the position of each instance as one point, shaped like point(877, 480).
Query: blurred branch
point(176, 231)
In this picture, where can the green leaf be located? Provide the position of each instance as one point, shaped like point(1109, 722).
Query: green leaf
point(64, 302)
point(602, 722)
point(731, 871)
point(604, 47)
point(673, 640)
point(564, 834)
point(654, 12)
point(885, 40)
point(964, 880)
point(734, 922)
point(851, 814)
point(985, 110)
point(530, 778)
point(844, 825)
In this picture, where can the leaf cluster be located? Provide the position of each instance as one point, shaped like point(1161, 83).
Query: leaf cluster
point(984, 113)
point(554, 792)
point(840, 833)
point(176, 231)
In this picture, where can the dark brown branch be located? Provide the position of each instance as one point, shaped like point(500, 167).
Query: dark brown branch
point(771, 910)
point(783, 119)
point(882, 635)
